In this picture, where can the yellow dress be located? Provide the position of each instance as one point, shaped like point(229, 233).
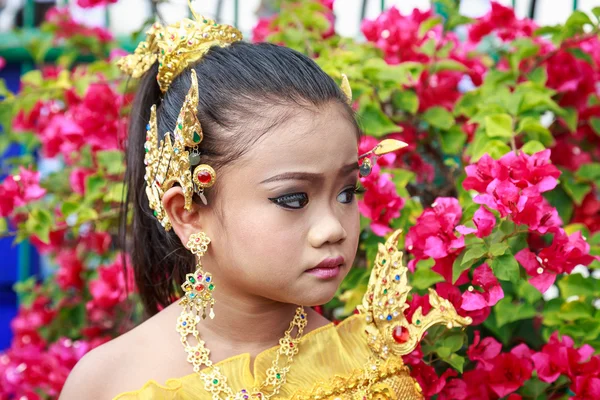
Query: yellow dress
point(360, 359)
point(331, 359)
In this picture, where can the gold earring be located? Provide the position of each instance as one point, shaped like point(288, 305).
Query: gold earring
point(198, 286)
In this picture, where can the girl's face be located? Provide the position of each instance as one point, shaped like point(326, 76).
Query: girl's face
point(287, 206)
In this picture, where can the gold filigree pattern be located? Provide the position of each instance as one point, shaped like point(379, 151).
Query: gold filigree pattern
point(389, 380)
point(177, 46)
point(388, 330)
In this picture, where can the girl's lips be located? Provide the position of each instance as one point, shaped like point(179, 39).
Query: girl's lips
point(328, 268)
point(325, 273)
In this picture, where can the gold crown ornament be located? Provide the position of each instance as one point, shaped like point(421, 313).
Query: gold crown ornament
point(383, 305)
point(176, 47)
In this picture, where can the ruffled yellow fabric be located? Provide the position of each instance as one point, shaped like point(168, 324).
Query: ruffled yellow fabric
point(330, 365)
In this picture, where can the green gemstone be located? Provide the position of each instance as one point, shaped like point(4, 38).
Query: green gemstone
point(418, 322)
point(385, 291)
point(383, 261)
point(205, 21)
point(215, 381)
point(196, 137)
point(192, 280)
point(278, 376)
point(211, 286)
point(155, 213)
point(180, 126)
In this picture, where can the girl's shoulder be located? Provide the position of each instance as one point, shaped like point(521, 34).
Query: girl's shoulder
point(125, 363)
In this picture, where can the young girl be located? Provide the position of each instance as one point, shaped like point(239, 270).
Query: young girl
point(242, 171)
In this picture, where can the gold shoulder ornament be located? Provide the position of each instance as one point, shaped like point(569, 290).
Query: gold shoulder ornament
point(383, 305)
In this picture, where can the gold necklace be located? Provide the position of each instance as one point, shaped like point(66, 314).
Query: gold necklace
point(215, 382)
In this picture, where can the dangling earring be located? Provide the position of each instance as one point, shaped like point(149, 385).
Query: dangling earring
point(198, 286)
point(365, 168)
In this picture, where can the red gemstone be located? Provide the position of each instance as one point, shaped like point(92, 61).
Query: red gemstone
point(371, 297)
point(384, 281)
point(199, 288)
point(204, 177)
point(400, 334)
point(291, 344)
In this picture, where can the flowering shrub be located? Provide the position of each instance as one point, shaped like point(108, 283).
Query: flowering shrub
point(497, 194)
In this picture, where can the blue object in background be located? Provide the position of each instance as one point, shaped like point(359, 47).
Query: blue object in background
point(9, 254)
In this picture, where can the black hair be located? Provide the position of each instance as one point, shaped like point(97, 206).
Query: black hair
point(238, 84)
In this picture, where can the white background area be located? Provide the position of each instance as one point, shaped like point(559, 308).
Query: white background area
point(127, 16)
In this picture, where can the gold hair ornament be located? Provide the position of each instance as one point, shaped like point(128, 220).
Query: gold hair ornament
point(383, 147)
point(169, 162)
point(176, 47)
point(384, 303)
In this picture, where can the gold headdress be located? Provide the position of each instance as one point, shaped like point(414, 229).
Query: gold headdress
point(177, 46)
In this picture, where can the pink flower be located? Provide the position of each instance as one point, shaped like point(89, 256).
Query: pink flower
point(492, 291)
point(96, 242)
point(484, 350)
point(480, 175)
point(502, 21)
point(484, 220)
point(19, 190)
point(452, 294)
point(94, 3)
point(2, 63)
point(589, 212)
point(381, 202)
point(70, 269)
point(65, 27)
point(509, 371)
point(586, 387)
point(433, 236)
point(77, 179)
point(561, 256)
point(429, 381)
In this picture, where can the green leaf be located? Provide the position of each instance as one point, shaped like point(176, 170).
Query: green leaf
point(532, 147)
point(535, 131)
point(527, 291)
point(539, 76)
point(499, 125)
point(86, 214)
point(578, 19)
point(375, 122)
point(571, 117)
point(581, 55)
point(115, 192)
point(406, 100)
point(498, 249)
point(575, 310)
point(507, 311)
point(561, 200)
point(506, 268)
point(3, 225)
point(578, 285)
point(39, 223)
point(453, 141)
point(495, 148)
point(68, 207)
point(453, 340)
point(428, 48)
point(589, 172)
point(449, 65)
point(4, 92)
point(427, 25)
point(112, 161)
point(457, 362)
point(424, 277)
point(577, 190)
point(596, 13)
point(439, 117)
point(458, 267)
point(594, 124)
point(473, 253)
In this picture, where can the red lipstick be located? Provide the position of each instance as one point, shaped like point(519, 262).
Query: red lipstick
point(329, 268)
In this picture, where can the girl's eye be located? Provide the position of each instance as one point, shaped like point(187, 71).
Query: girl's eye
point(292, 201)
point(347, 196)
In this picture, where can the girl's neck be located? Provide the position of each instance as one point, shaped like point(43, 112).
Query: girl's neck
point(243, 325)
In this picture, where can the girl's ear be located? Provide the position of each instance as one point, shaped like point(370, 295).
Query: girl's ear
point(184, 222)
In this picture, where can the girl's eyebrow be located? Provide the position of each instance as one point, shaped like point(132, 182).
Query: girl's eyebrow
point(310, 176)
